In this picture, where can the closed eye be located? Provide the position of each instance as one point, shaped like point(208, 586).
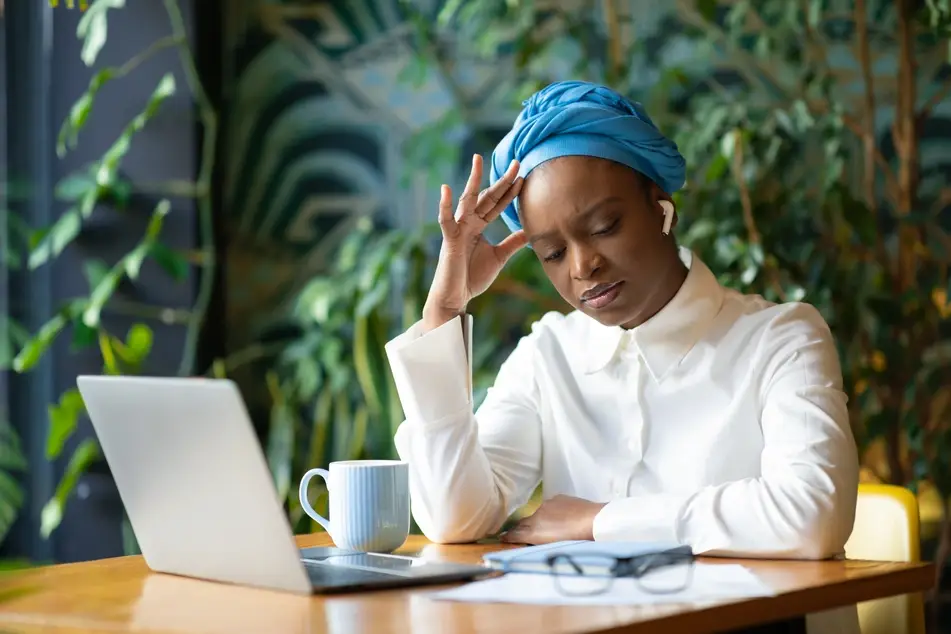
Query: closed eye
point(555, 256)
point(608, 229)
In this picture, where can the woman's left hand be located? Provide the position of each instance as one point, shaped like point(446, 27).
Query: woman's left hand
point(558, 519)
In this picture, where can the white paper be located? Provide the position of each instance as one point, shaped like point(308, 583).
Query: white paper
point(710, 582)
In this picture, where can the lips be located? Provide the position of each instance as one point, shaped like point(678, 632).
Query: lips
point(601, 295)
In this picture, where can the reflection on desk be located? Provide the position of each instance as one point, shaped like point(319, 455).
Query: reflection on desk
point(190, 605)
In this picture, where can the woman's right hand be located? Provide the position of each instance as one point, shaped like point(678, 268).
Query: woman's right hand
point(468, 264)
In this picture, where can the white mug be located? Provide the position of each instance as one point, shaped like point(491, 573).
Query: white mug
point(369, 504)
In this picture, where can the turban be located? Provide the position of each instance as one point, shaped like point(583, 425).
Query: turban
point(575, 118)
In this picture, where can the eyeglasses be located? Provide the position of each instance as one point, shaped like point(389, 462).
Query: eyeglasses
point(592, 574)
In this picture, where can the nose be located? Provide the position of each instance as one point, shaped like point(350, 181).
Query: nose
point(585, 261)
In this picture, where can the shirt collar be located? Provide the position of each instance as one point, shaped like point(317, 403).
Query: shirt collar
point(664, 339)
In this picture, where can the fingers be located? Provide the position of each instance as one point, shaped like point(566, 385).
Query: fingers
point(446, 222)
point(517, 535)
point(470, 195)
point(508, 247)
point(496, 193)
point(495, 211)
point(487, 204)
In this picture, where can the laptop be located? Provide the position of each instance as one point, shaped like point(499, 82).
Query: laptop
point(201, 500)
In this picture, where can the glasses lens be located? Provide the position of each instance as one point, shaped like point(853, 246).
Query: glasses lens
point(580, 576)
point(672, 577)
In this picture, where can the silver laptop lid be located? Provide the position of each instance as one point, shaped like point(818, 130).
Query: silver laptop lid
point(194, 480)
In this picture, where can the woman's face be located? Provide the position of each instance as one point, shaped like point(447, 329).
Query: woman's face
point(597, 228)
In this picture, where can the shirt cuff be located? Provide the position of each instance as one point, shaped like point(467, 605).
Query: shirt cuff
point(642, 518)
point(432, 371)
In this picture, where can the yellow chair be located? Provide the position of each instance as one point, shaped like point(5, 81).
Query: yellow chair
point(887, 529)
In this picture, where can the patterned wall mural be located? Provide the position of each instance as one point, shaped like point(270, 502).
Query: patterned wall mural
point(318, 114)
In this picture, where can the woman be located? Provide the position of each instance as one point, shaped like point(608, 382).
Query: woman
point(664, 408)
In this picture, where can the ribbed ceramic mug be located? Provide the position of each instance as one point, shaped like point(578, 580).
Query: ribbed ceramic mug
point(369, 504)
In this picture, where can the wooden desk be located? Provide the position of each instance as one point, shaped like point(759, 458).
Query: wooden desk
point(121, 595)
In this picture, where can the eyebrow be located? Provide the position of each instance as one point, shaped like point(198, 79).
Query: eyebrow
point(582, 216)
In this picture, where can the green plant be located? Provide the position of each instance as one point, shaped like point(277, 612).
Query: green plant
point(323, 365)
point(12, 336)
point(12, 461)
point(332, 397)
point(99, 184)
point(806, 180)
point(798, 191)
point(329, 389)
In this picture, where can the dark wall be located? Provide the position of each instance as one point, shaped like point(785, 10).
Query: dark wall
point(28, 157)
point(4, 276)
point(166, 149)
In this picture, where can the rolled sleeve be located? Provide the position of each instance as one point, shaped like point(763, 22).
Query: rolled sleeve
point(467, 470)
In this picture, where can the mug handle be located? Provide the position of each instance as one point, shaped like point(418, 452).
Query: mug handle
point(305, 504)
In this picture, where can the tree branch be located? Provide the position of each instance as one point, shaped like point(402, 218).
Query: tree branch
point(751, 69)
point(746, 202)
point(868, 119)
point(868, 135)
point(891, 180)
point(813, 40)
point(429, 49)
point(160, 44)
point(615, 50)
point(164, 314)
point(905, 136)
point(936, 99)
point(176, 188)
point(243, 357)
point(943, 200)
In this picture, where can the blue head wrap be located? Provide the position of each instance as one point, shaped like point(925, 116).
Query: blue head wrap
point(576, 118)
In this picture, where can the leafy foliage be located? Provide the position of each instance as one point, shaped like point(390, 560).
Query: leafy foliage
point(97, 184)
point(93, 28)
point(803, 125)
point(796, 190)
point(324, 361)
point(332, 395)
point(793, 195)
point(12, 461)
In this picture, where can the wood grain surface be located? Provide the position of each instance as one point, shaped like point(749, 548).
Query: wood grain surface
point(121, 595)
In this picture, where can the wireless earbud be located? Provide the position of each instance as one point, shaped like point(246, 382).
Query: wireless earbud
point(668, 208)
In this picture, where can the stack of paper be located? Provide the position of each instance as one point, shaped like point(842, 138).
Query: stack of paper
point(710, 582)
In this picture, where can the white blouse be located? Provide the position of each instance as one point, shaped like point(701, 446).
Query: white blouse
point(720, 423)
